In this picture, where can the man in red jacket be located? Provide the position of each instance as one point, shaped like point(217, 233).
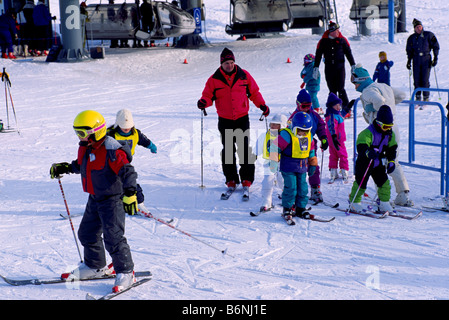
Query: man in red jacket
point(231, 88)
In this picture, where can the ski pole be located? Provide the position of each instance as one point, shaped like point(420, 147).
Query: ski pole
point(410, 82)
point(12, 105)
point(203, 113)
point(70, 218)
point(149, 215)
point(436, 81)
point(358, 189)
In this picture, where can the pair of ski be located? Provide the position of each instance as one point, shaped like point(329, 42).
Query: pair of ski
point(228, 193)
point(382, 215)
point(290, 221)
point(143, 277)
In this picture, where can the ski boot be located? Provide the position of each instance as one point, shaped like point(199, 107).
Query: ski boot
point(84, 272)
point(315, 194)
point(402, 199)
point(123, 281)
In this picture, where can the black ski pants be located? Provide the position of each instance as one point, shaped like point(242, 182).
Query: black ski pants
point(235, 137)
point(421, 75)
point(335, 78)
point(105, 217)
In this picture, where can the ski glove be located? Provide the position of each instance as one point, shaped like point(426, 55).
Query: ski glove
point(130, 203)
point(201, 104)
point(59, 168)
point(311, 170)
point(324, 144)
point(265, 110)
point(409, 64)
point(152, 147)
point(335, 141)
point(434, 62)
point(390, 167)
point(372, 154)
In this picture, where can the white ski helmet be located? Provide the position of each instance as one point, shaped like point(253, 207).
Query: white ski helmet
point(124, 119)
point(279, 118)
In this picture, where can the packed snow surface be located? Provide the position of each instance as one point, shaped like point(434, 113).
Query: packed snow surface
point(352, 257)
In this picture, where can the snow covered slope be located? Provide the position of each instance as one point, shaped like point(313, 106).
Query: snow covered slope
point(352, 257)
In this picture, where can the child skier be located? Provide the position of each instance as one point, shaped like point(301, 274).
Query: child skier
point(272, 175)
point(110, 180)
point(303, 104)
point(335, 130)
point(376, 148)
point(382, 72)
point(124, 130)
point(296, 147)
point(312, 85)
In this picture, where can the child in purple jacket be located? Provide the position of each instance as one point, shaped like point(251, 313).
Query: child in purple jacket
point(304, 103)
point(335, 130)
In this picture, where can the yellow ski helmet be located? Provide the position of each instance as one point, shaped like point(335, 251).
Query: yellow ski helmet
point(91, 124)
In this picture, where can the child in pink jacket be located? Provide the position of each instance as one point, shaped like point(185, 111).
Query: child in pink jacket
point(336, 135)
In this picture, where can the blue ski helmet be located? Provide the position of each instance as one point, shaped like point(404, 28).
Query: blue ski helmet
point(301, 120)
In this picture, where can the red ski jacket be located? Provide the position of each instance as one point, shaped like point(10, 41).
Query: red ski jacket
point(231, 93)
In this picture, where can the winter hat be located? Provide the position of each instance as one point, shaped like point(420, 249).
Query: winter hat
point(309, 58)
point(226, 55)
point(359, 74)
point(279, 119)
point(303, 97)
point(333, 26)
point(383, 54)
point(384, 115)
point(416, 23)
point(124, 119)
point(332, 100)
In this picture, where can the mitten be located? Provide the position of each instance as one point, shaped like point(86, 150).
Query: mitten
point(152, 147)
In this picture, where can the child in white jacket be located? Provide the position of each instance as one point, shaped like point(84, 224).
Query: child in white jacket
point(272, 175)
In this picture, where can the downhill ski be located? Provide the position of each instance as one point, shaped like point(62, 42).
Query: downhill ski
point(262, 209)
point(365, 213)
point(225, 195)
point(112, 295)
point(37, 281)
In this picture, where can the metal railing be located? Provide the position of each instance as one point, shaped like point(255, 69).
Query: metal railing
point(412, 141)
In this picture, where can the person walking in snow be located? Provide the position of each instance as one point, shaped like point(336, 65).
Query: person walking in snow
point(272, 176)
point(334, 47)
point(42, 24)
point(382, 71)
point(373, 96)
point(298, 159)
point(418, 48)
point(110, 180)
point(336, 134)
point(8, 30)
point(311, 84)
point(304, 104)
point(124, 130)
point(231, 88)
point(376, 148)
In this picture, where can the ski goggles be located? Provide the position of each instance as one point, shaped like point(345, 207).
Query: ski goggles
point(84, 132)
point(385, 126)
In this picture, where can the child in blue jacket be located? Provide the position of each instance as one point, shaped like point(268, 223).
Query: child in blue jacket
point(312, 85)
point(382, 72)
